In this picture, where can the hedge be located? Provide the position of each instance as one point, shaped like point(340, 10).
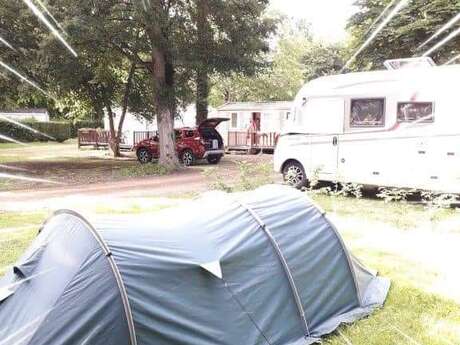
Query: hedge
point(61, 131)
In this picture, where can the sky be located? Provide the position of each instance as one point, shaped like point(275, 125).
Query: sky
point(328, 17)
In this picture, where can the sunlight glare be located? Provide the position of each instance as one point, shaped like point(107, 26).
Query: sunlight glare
point(443, 42)
point(445, 27)
point(19, 124)
point(25, 178)
point(393, 13)
point(20, 76)
point(50, 26)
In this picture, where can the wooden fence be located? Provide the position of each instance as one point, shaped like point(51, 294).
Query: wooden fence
point(94, 137)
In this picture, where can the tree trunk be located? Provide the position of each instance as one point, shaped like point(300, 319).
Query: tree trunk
point(114, 145)
point(124, 106)
point(202, 93)
point(204, 39)
point(168, 155)
point(163, 76)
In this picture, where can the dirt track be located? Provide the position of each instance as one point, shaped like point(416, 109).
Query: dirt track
point(191, 180)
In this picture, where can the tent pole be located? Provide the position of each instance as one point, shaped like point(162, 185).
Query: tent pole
point(284, 264)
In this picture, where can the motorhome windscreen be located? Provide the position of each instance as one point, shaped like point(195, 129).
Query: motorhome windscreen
point(369, 112)
point(415, 112)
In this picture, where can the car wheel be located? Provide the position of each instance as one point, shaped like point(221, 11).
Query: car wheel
point(187, 158)
point(214, 159)
point(144, 156)
point(294, 175)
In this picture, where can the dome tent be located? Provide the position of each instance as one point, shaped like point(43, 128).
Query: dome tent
point(263, 267)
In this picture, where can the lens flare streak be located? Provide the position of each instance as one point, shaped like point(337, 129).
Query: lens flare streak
point(9, 167)
point(445, 27)
point(45, 9)
point(381, 15)
point(11, 140)
point(393, 13)
point(443, 42)
point(19, 124)
point(50, 26)
point(6, 43)
point(25, 178)
point(451, 61)
point(20, 76)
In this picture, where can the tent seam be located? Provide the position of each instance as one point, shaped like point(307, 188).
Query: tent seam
point(117, 275)
point(246, 312)
point(284, 264)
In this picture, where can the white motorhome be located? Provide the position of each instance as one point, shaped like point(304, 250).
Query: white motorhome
point(395, 128)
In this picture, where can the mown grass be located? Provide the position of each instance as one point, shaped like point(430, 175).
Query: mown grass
point(17, 230)
point(5, 146)
point(141, 170)
point(411, 315)
point(401, 215)
point(21, 219)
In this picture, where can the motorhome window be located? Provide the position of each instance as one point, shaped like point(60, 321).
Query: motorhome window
point(234, 120)
point(368, 112)
point(415, 112)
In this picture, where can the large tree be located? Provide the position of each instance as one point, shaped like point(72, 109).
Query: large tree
point(160, 37)
point(230, 37)
point(19, 29)
point(405, 32)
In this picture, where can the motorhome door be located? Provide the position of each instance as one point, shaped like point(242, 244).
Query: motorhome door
point(324, 120)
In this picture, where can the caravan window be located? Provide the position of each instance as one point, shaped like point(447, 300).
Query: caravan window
point(367, 112)
point(415, 111)
point(234, 120)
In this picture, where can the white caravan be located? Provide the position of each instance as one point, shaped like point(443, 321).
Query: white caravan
point(395, 128)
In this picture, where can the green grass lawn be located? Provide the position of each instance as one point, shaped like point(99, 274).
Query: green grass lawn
point(412, 315)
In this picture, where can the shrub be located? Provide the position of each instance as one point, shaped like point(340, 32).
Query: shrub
point(394, 194)
point(60, 131)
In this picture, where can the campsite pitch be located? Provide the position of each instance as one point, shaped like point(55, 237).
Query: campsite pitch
point(422, 307)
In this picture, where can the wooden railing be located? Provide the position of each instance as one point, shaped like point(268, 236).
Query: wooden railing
point(94, 137)
point(142, 135)
point(243, 140)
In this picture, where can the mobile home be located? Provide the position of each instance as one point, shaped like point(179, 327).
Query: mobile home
point(253, 125)
point(395, 128)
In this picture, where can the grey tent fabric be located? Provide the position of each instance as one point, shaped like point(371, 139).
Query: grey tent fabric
point(255, 268)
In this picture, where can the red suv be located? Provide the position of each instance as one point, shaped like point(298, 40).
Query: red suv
point(192, 144)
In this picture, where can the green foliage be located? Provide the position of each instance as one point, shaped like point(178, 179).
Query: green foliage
point(394, 194)
point(60, 131)
point(439, 200)
point(402, 36)
point(295, 59)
